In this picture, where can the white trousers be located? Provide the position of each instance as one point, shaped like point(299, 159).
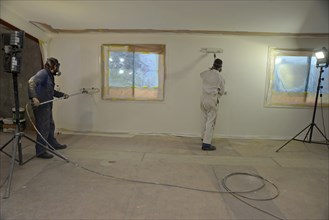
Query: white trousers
point(209, 109)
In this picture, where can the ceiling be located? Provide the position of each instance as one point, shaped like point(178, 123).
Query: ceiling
point(275, 16)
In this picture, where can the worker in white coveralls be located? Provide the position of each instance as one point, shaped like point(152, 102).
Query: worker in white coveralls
point(213, 87)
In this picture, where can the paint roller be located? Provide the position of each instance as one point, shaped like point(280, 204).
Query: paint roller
point(212, 50)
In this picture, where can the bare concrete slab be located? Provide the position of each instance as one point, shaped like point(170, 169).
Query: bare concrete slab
point(166, 177)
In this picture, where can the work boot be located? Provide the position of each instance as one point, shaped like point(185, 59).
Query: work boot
point(45, 155)
point(208, 147)
point(60, 146)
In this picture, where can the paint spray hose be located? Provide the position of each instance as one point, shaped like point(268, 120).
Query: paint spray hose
point(236, 194)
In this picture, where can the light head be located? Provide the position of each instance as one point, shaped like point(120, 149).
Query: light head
point(322, 58)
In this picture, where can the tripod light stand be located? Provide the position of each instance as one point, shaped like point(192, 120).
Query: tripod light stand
point(13, 44)
point(322, 62)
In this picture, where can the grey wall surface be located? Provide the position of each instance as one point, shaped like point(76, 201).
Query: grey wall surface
point(31, 63)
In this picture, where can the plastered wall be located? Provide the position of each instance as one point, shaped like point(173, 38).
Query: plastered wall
point(241, 114)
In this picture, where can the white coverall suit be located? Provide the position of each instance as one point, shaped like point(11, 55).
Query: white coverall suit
point(213, 87)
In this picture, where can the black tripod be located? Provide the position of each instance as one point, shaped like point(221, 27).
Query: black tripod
point(311, 126)
point(17, 140)
point(17, 144)
point(13, 44)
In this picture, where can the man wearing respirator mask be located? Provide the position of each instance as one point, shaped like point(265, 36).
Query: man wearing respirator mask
point(213, 87)
point(41, 89)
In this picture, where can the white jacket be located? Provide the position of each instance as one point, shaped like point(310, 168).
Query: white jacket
point(213, 83)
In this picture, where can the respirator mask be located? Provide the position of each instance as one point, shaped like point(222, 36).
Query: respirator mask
point(57, 71)
point(53, 65)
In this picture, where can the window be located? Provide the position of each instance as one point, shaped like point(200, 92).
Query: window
point(292, 79)
point(133, 72)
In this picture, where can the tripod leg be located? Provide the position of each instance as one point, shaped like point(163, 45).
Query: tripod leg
point(7, 143)
point(20, 152)
point(309, 130)
point(327, 140)
point(293, 138)
point(11, 168)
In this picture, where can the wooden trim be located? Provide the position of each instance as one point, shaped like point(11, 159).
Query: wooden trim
point(50, 29)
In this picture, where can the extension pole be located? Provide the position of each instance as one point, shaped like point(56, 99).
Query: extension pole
point(52, 100)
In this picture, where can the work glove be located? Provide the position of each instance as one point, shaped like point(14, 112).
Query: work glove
point(35, 102)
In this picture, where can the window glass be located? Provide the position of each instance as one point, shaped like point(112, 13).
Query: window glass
point(292, 79)
point(133, 72)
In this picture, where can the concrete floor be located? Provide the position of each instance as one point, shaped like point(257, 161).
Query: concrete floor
point(54, 189)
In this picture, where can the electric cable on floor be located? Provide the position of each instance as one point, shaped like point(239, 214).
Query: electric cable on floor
point(236, 194)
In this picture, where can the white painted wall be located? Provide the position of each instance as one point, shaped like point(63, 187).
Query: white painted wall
point(241, 114)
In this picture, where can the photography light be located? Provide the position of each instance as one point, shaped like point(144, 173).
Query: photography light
point(13, 40)
point(12, 46)
point(321, 55)
point(12, 64)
